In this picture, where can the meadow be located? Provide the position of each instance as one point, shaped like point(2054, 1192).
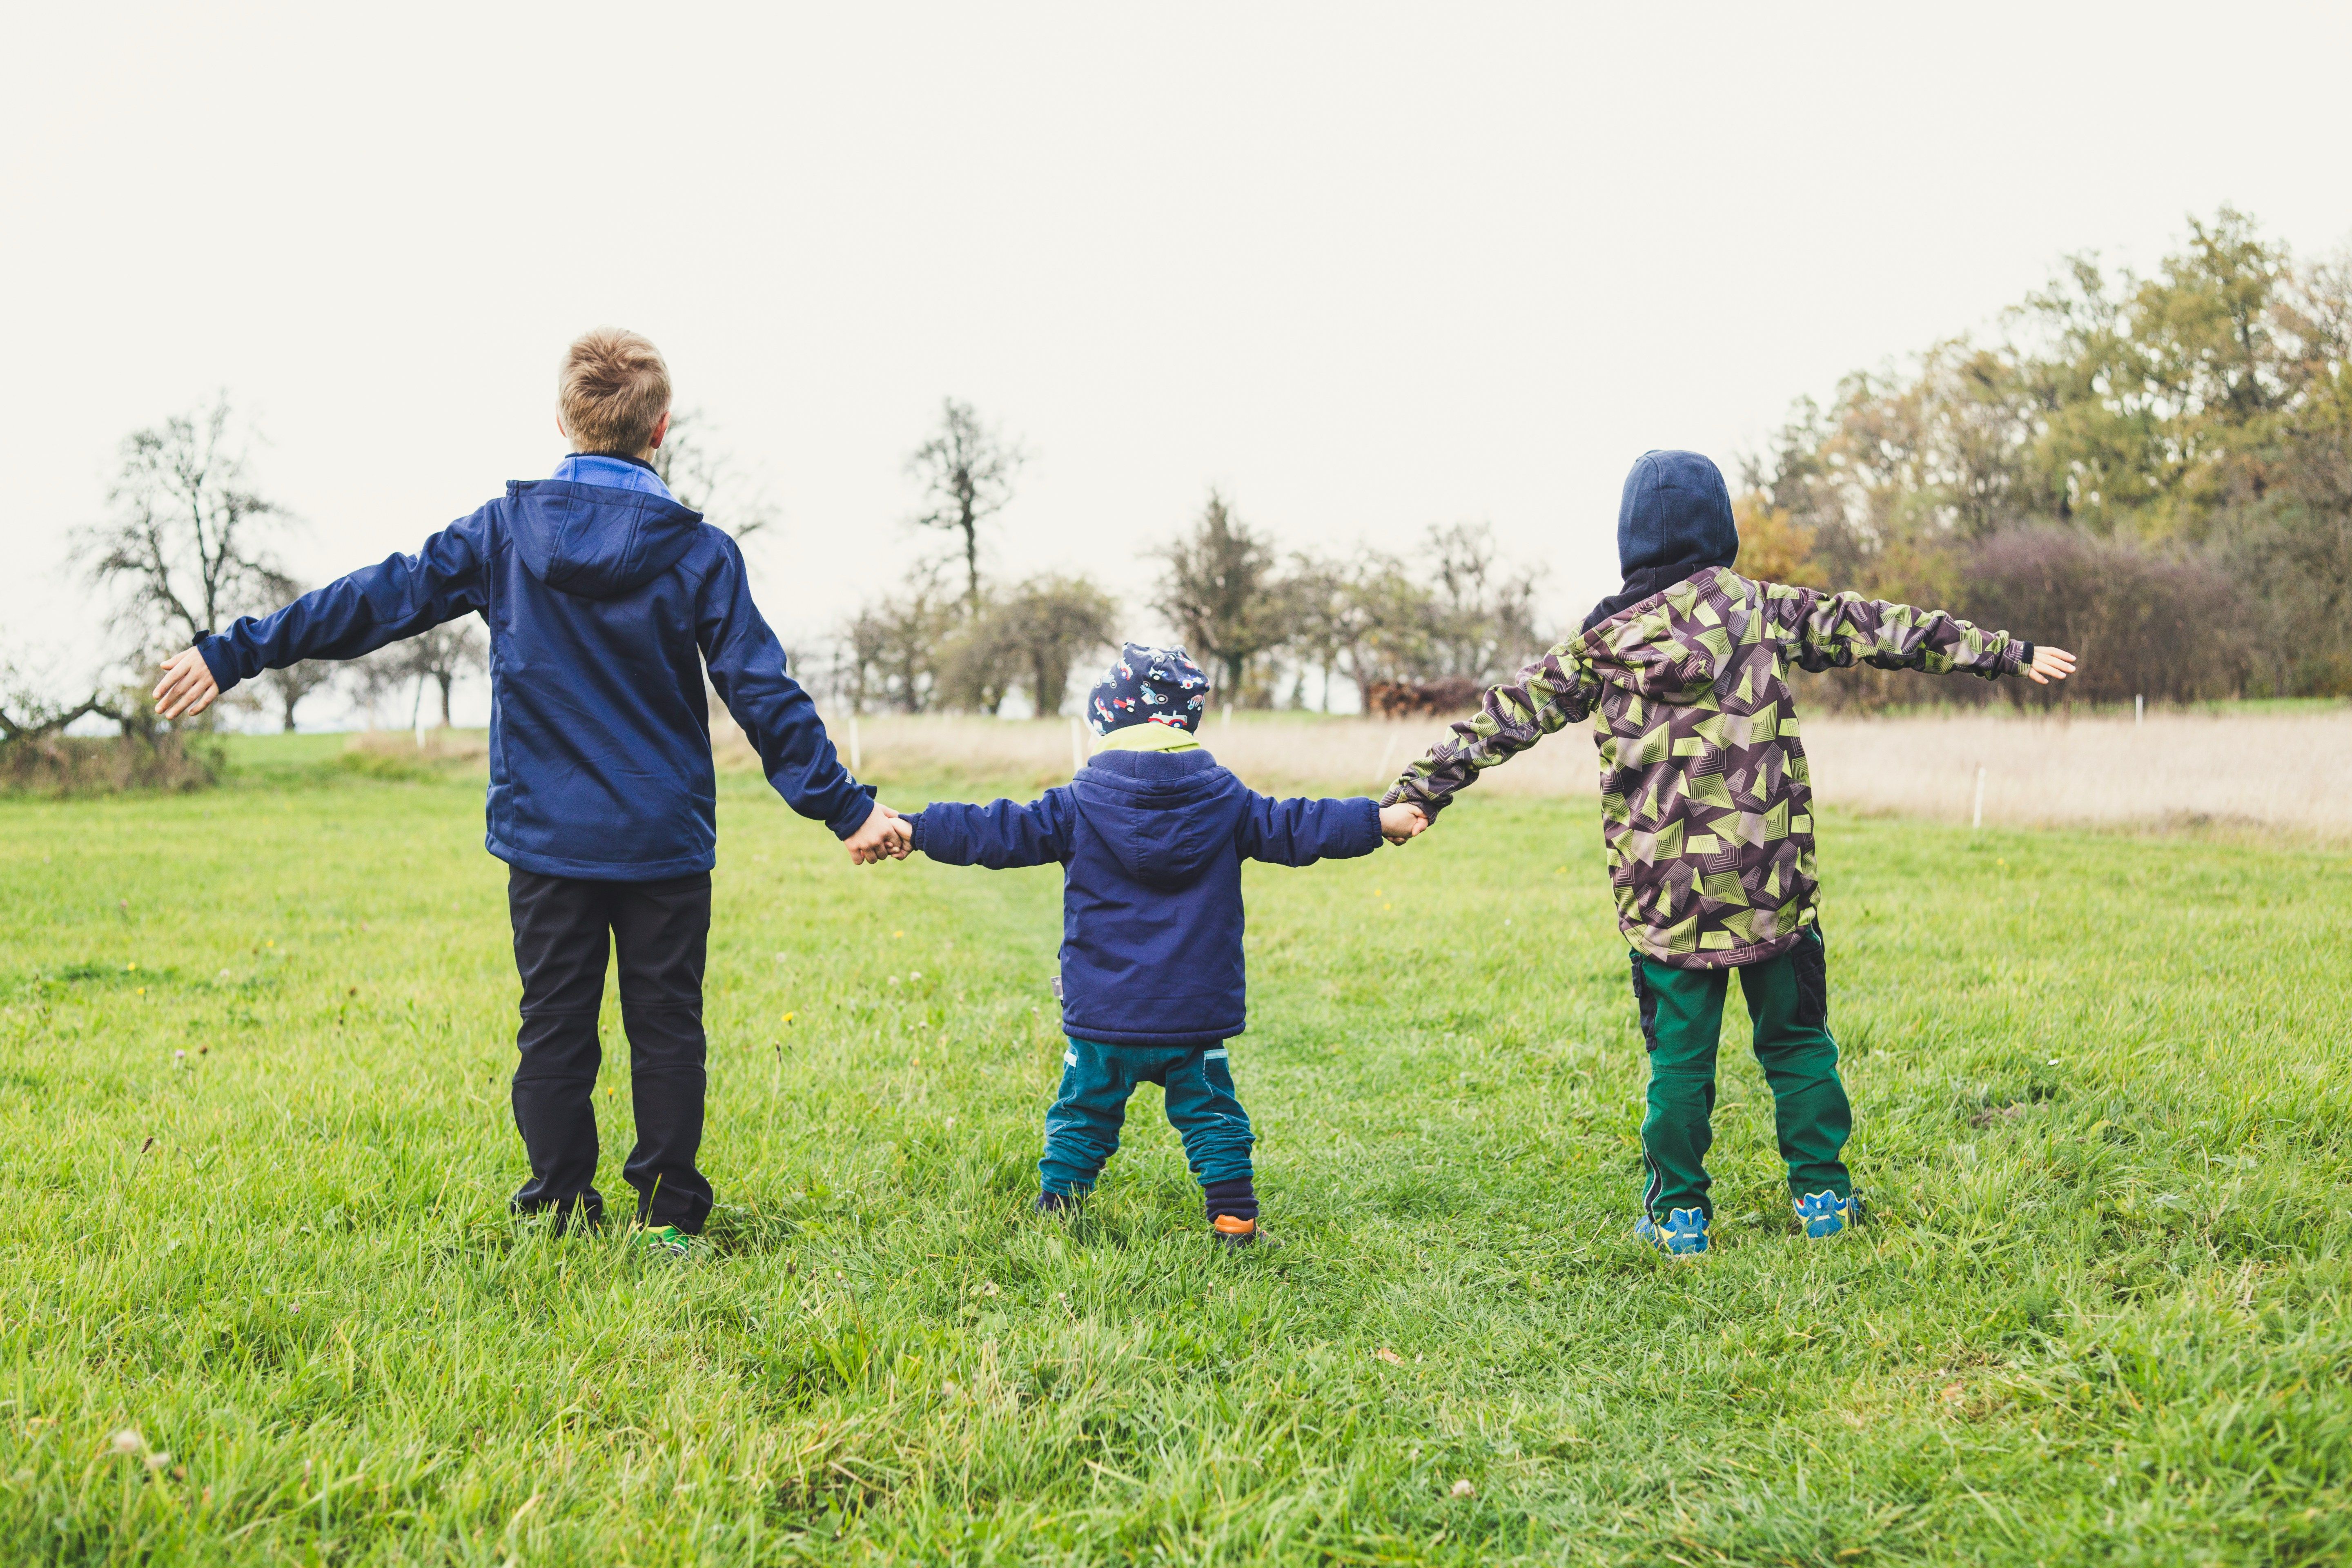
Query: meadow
point(260, 1299)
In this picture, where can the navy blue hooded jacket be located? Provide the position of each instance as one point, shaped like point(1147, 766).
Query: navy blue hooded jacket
point(603, 606)
point(1151, 844)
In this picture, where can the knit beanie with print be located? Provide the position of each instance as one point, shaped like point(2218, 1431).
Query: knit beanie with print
point(1148, 686)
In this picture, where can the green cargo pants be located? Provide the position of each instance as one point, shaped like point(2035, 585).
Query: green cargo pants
point(1682, 1021)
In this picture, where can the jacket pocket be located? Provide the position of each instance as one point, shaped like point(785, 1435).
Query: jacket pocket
point(1813, 970)
point(1647, 1001)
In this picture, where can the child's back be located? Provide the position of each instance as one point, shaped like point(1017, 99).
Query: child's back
point(605, 599)
point(1706, 814)
point(1151, 836)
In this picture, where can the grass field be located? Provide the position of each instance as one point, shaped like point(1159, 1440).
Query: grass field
point(2101, 1115)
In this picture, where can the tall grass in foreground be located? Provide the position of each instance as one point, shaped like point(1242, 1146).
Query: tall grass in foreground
point(260, 1301)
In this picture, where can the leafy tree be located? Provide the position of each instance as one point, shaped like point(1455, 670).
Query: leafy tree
point(1224, 596)
point(1053, 622)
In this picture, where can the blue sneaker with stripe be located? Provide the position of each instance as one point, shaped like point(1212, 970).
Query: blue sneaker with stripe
point(1684, 1234)
point(1826, 1214)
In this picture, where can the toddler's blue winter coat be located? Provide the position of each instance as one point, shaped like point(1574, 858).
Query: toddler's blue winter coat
point(1152, 844)
point(604, 604)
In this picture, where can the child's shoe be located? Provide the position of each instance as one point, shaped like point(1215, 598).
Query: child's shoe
point(1056, 1203)
point(1683, 1235)
point(1232, 1230)
point(1826, 1214)
point(665, 1241)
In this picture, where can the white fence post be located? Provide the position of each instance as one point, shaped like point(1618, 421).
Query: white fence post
point(2139, 709)
point(1976, 824)
point(857, 753)
point(1077, 744)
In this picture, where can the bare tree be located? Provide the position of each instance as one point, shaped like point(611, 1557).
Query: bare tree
point(1221, 591)
point(966, 471)
point(704, 477)
point(186, 547)
point(442, 655)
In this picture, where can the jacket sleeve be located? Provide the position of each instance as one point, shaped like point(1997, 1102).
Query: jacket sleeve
point(747, 671)
point(1556, 691)
point(1300, 832)
point(397, 597)
point(1821, 630)
point(1000, 835)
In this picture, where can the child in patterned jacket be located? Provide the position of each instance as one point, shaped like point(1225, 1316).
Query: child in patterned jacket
point(1706, 814)
point(1151, 835)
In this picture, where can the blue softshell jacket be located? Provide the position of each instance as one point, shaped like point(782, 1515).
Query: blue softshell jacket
point(1152, 844)
point(604, 606)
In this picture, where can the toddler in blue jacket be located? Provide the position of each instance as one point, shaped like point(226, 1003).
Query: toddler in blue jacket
point(606, 601)
point(1151, 835)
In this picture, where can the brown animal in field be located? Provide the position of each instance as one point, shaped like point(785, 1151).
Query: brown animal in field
point(1421, 698)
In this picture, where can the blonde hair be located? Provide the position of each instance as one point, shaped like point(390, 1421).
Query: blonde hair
point(612, 391)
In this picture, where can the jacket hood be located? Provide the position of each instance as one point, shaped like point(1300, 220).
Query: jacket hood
point(1165, 816)
point(1675, 513)
point(595, 542)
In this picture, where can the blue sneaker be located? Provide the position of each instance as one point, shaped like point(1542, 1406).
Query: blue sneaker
point(1683, 1235)
point(1826, 1214)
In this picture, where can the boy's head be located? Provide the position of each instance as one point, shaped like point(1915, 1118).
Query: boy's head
point(613, 393)
point(1676, 512)
point(1148, 686)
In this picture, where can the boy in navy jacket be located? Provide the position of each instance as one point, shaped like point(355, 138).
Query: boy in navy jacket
point(1151, 836)
point(605, 599)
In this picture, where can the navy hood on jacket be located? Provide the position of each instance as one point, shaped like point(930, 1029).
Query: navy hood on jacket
point(604, 606)
point(1674, 521)
point(1152, 844)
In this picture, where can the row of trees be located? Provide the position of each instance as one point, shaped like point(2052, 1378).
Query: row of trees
point(1261, 621)
point(2154, 471)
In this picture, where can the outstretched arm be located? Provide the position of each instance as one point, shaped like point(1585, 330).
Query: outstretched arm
point(1300, 832)
point(1002, 834)
point(396, 598)
point(747, 671)
point(1821, 630)
point(1556, 691)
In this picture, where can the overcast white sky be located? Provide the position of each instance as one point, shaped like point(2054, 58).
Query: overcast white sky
point(1365, 268)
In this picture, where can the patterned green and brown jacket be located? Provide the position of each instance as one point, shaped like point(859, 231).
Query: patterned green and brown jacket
point(1705, 804)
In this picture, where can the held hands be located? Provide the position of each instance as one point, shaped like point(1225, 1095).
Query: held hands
point(2050, 663)
point(188, 686)
point(885, 834)
point(1401, 822)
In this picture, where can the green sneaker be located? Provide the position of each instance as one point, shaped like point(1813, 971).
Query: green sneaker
point(667, 1241)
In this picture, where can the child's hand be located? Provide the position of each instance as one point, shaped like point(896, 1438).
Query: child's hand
point(884, 835)
point(187, 685)
point(2050, 663)
point(1401, 822)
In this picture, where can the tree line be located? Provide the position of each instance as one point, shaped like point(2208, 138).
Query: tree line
point(1263, 621)
point(2155, 472)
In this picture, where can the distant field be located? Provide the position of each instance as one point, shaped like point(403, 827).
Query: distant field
point(2273, 770)
point(2101, 1082)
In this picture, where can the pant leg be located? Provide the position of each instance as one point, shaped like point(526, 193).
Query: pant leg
point(560, 951)
point(1682, 1021)
point(1205, 1112)
point(1082, 1129)
point(661, 931)
point(1787, 998)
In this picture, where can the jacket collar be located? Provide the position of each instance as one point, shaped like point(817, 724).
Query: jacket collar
point(613, 471)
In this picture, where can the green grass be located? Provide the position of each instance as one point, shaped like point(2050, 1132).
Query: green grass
point(2102, 1114)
